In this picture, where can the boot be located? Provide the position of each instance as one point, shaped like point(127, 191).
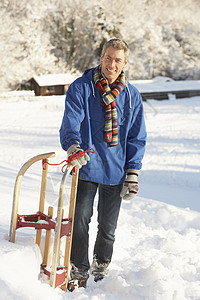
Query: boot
point(78, 279)
point(98, 270)
point(75, 283)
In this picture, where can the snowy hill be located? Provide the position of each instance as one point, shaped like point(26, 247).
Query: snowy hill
point(156, 254)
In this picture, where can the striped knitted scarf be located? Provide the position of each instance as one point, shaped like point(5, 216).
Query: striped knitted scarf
point(109, 94)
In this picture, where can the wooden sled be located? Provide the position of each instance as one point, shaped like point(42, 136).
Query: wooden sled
point(39, 221)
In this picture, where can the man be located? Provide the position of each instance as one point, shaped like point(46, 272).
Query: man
point(105, 112)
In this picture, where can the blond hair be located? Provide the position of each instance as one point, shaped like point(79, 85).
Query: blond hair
point(118, 45)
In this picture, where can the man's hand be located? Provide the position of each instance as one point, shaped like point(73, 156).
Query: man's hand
point(79, 162)
point(130, 188)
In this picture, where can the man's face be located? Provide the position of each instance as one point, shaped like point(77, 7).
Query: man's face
point(113, 61)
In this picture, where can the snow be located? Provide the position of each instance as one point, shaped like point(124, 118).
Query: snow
point(42, 222)
point(165, 84)
point(42, 37)
point(54, 79)
point(156, 253)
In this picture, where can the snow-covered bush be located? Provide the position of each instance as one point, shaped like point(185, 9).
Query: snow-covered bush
point(39, 37)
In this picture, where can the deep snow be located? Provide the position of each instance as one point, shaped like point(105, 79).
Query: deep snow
point(156, 254)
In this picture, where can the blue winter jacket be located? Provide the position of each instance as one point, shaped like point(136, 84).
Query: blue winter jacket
point(83, 122)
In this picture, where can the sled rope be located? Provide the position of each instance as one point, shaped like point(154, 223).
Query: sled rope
point(69, 160)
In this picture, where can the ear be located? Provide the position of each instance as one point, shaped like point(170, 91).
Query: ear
point(101, 58)
point(125, 63)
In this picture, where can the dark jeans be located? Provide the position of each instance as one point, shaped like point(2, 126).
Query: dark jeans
point(108, 210)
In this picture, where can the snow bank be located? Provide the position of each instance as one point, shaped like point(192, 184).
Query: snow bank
point(156, 254)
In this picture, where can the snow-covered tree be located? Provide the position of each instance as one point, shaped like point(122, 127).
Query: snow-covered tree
point(45, 36)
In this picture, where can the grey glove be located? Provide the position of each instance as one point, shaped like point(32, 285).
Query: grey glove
point(79, 162)
point(130, 187)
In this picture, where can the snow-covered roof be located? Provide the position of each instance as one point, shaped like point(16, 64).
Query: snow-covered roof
point(165, 84)
point(54, 79)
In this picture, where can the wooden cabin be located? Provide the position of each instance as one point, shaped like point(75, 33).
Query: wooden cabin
point(51, 84)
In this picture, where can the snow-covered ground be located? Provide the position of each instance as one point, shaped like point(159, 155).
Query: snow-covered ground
point(156, 254)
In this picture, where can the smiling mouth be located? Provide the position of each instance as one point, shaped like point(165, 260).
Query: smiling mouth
point(110, 71)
